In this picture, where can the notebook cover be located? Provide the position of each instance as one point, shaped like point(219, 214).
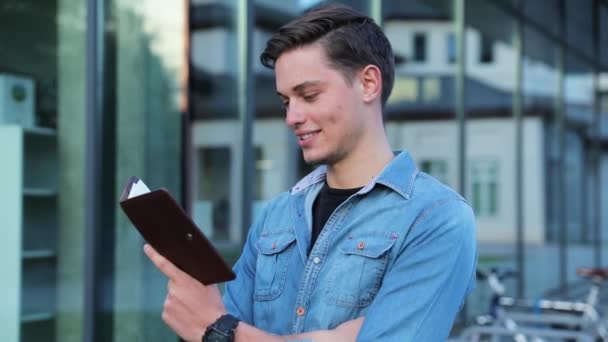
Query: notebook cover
point(165, 226)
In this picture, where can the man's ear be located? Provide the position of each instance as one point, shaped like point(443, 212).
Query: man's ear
point(371, 82)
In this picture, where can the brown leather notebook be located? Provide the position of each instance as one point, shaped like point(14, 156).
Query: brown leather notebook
point(165, 226)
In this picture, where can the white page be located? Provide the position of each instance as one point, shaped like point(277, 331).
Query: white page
point(138, 188)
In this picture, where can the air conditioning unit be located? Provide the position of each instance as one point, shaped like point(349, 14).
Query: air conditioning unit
point(17, 100)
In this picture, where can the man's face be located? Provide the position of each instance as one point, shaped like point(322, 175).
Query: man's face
point(322, 107)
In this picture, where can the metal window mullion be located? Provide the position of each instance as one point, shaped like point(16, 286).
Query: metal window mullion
point(585, 158)
point(460, 91)
point(246, 107)
point(595, 134)
point(93, 154)
point(188, 183)
point(459, 103)
point(562, 183)
point(519, 160)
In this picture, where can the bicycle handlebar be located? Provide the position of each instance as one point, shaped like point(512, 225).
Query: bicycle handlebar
point(500, 273)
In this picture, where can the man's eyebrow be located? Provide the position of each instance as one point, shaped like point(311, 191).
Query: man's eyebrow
point(300, 87)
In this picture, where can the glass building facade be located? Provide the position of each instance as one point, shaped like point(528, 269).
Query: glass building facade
point(506, 101)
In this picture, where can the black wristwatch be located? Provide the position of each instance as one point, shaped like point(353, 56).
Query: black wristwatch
point(222, 330)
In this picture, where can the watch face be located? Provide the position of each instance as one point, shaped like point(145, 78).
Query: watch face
point(222, 330)
point(215, 335)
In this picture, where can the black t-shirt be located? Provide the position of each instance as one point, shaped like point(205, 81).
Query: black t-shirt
point(325, 204)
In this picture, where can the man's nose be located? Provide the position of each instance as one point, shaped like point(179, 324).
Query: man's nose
point(295, 117)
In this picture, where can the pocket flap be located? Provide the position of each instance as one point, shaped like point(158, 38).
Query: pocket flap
point(274, 242)
point(371, 246)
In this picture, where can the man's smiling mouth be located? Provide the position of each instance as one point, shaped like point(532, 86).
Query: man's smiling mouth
point(307, 135)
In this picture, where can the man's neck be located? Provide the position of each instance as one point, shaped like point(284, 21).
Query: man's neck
point(359, 168)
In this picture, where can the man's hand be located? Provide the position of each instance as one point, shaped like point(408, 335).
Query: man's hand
point(190, 306)
point(348, 330)
point(345, 332)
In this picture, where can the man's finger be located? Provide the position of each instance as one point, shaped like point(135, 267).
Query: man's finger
point(164, 265)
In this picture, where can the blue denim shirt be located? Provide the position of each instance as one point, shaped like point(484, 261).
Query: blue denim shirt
point(401, 252)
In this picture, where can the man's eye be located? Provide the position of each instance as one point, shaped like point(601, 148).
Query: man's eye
point(285, 105)
point(310, 97)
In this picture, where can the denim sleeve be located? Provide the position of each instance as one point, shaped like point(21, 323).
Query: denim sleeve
point(238, 294)
point(425, 287)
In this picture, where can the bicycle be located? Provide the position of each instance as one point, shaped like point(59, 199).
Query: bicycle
point(537, 320)
point(496, 322)
point(584, 316)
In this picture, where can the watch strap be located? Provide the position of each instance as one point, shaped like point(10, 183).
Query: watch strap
point(224, 327)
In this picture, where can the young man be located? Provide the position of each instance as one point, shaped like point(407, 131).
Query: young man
point(366, 247)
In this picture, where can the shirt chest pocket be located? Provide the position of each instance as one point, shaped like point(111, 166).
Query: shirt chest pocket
point(274, 253)
point(358, 268)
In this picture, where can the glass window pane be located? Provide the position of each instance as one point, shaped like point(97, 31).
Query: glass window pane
point(477, 198)
point(144, 68)
point(603, 27)
point(451, 47)
point(213, 60)
point(42, 82)
point(493, 199)
point(485, 182)
point(540, 84)
point(29, 56)
point(435, 168)
point(216, 129)
point(486, 51)
point(579, 92)
point(420, 110)
point(545, 13)
point(299, 6)
point(603, 171)
point(425, 166)
point(603, 107)
point(419, 47)
point(490, 79)
point(212, 211)
point(420, 113)
point(579, 100)
point(579, 25)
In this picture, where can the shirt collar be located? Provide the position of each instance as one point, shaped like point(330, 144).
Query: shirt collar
point(318, 175)
point(398, 175)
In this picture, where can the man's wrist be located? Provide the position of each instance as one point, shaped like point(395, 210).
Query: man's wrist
point(222, 330)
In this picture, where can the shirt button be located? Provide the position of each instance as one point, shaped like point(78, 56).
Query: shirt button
point(361, 245)
point(300, 311)
point(316, 260)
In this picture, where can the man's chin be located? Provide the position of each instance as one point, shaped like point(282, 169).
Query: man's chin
point(321, 159)
point(314, 160)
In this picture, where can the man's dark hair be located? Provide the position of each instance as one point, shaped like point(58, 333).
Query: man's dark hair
point(350, 39)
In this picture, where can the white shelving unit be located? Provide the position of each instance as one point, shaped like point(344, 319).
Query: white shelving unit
point(28, 222)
